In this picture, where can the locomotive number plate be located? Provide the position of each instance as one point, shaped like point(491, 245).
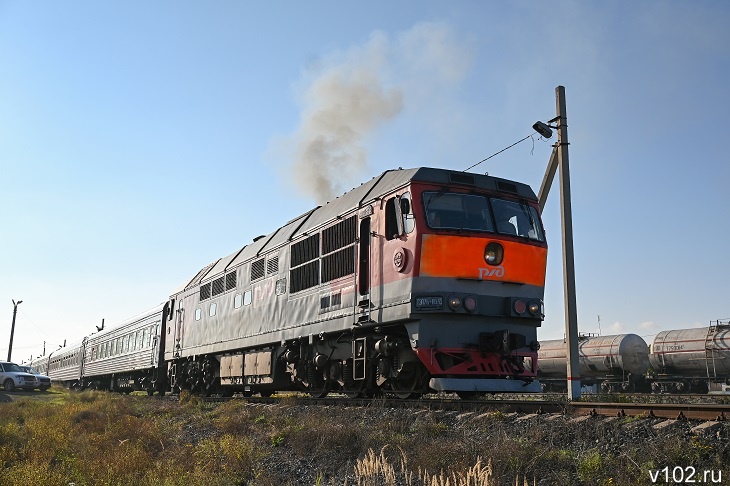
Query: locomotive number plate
point(429, 302)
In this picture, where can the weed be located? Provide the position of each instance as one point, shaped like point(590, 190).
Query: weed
point(589, 467)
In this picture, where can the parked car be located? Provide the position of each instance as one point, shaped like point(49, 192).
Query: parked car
point(44, 382)
point(12, 377)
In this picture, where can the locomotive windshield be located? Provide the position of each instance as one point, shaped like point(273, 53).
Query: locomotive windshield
point(446, 210)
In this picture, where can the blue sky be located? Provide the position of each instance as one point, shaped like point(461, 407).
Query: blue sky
point(140, 141)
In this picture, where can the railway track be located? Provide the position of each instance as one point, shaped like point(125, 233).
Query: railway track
point(674, 411)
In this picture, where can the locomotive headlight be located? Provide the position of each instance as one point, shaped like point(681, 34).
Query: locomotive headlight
point(454, 302)
point(493, 253)
point(470, 303)
point(535, 307)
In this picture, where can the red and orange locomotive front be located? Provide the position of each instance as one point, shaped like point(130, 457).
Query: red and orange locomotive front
point(468, 253)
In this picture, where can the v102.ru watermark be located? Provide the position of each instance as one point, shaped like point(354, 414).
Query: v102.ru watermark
point(682, 475)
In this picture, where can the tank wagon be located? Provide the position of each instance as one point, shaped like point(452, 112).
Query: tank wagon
point(692, 360)
point(615, 363)
point(419, 280)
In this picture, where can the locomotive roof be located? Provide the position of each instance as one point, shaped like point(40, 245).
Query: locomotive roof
point(352, 200)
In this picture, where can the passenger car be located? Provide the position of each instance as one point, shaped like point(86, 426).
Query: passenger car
point(12, 377)
point(44, 382)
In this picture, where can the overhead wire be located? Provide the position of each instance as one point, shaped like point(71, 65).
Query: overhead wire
point(506, 148)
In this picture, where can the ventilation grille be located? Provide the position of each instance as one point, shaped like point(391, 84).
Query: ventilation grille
point(507, 187)
point(272, 266)
point(230, 281)
point(218, 286)
point(339, 235)
point(304, 277)
point(461, 178)
point(324, 301)
point(205, 291)
point(257, 269)
point(305, 250)
point(338, 264)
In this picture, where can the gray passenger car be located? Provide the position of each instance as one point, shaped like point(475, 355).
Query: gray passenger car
point(12, 377)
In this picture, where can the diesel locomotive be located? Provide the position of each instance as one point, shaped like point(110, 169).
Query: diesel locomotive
point(419, 280)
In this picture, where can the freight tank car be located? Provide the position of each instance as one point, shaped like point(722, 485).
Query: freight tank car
point(615, 363)
point(692, 360)
point(418, 280)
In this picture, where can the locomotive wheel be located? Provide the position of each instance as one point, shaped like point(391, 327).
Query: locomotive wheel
point(407, 384)
point(406, 388)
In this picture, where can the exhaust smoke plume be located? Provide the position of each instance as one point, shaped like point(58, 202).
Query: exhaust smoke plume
point(348, 96)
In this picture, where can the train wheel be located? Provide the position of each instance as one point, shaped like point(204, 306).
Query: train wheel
point(406, 388)
point(469, 395)
point(407, 384)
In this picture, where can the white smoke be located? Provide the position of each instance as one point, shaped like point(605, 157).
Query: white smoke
point(616, 328)
point(348, 95)
point(648, 326)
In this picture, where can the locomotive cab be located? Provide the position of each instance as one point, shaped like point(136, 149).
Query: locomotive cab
point(477, 287)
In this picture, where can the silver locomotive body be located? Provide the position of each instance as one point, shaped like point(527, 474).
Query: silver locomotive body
point(616, 363)
point(366, 294)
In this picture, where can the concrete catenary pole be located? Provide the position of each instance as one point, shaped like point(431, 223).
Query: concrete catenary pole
point(571, 313)
point(12, 328)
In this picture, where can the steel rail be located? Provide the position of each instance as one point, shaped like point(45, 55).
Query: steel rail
point(676, 411)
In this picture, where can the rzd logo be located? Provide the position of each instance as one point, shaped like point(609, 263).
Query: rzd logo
point(491, 272)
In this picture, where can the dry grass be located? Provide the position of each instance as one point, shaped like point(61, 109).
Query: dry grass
point(95, 438)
